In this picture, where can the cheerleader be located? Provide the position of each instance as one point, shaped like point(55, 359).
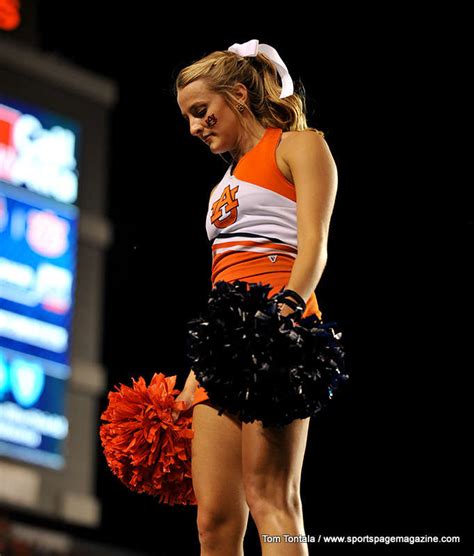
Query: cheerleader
point(268, 221)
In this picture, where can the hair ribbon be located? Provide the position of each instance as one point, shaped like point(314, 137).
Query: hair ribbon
point(253, 47)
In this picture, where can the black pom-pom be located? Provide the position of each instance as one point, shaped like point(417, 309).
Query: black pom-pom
point(259, 365)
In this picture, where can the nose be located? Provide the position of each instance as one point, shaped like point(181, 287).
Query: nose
point(196, 127)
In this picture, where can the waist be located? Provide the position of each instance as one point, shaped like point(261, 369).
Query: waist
point(274, 269)
point(239, 265)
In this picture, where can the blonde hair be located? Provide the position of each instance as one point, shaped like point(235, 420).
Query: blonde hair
point(222, 70)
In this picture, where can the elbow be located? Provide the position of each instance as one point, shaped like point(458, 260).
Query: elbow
point(313, 255)
point(312, 245)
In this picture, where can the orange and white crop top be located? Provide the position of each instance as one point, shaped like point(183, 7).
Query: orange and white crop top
point(251, 218)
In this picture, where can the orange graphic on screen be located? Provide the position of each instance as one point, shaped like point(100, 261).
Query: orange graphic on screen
point(9, 14)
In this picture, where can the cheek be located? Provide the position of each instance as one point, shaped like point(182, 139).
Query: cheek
point(211, 120)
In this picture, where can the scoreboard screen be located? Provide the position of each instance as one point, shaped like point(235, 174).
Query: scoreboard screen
point(38, 248)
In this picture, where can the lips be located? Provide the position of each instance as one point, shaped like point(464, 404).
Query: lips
point(207, 137)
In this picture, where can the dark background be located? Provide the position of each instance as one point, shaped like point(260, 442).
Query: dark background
point(390, 455)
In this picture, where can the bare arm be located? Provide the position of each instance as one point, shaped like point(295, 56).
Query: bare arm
point(315, 175)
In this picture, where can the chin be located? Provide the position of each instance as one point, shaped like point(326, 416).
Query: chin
point(216, 146)
point(213, 145)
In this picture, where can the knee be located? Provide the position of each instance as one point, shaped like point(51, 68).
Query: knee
point(216, 527)
point(266, 496)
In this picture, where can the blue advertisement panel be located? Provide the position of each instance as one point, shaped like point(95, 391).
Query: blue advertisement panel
point(38, 250)
point(38, 240)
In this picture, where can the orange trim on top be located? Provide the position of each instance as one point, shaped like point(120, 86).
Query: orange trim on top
point(259, 166)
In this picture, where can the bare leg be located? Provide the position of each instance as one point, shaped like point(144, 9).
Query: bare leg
point(217, 481)
point(272, 464)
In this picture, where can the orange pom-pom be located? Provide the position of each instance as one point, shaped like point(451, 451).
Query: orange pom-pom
point(143, 447)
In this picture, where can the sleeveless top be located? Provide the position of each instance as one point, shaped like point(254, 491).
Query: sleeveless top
point(251, 217)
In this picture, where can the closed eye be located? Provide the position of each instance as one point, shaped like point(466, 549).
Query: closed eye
point(200, 114)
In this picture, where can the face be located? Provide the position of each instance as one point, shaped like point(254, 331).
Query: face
point(209, 116)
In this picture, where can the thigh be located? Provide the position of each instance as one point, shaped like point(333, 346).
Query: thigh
point(272, 459)
point(217, 462)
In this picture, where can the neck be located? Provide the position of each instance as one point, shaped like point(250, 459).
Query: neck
point(249, 140)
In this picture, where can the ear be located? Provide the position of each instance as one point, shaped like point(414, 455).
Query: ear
point(241, 92)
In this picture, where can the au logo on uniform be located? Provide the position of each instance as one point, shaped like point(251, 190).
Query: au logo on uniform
point(228, 203)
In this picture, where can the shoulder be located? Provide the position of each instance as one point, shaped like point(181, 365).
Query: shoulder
point(311, 138)
point(308, 145)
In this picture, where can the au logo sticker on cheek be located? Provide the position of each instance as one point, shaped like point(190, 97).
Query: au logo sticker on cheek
point(211, 120)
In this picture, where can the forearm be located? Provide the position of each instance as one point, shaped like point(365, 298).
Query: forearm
point(308, 268)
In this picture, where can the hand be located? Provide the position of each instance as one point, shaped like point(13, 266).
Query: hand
point(187, 396)
point(285, 309)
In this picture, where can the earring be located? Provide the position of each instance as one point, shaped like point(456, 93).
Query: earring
point(240, 107)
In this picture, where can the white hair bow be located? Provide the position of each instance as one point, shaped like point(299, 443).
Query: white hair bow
point(252, 48)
